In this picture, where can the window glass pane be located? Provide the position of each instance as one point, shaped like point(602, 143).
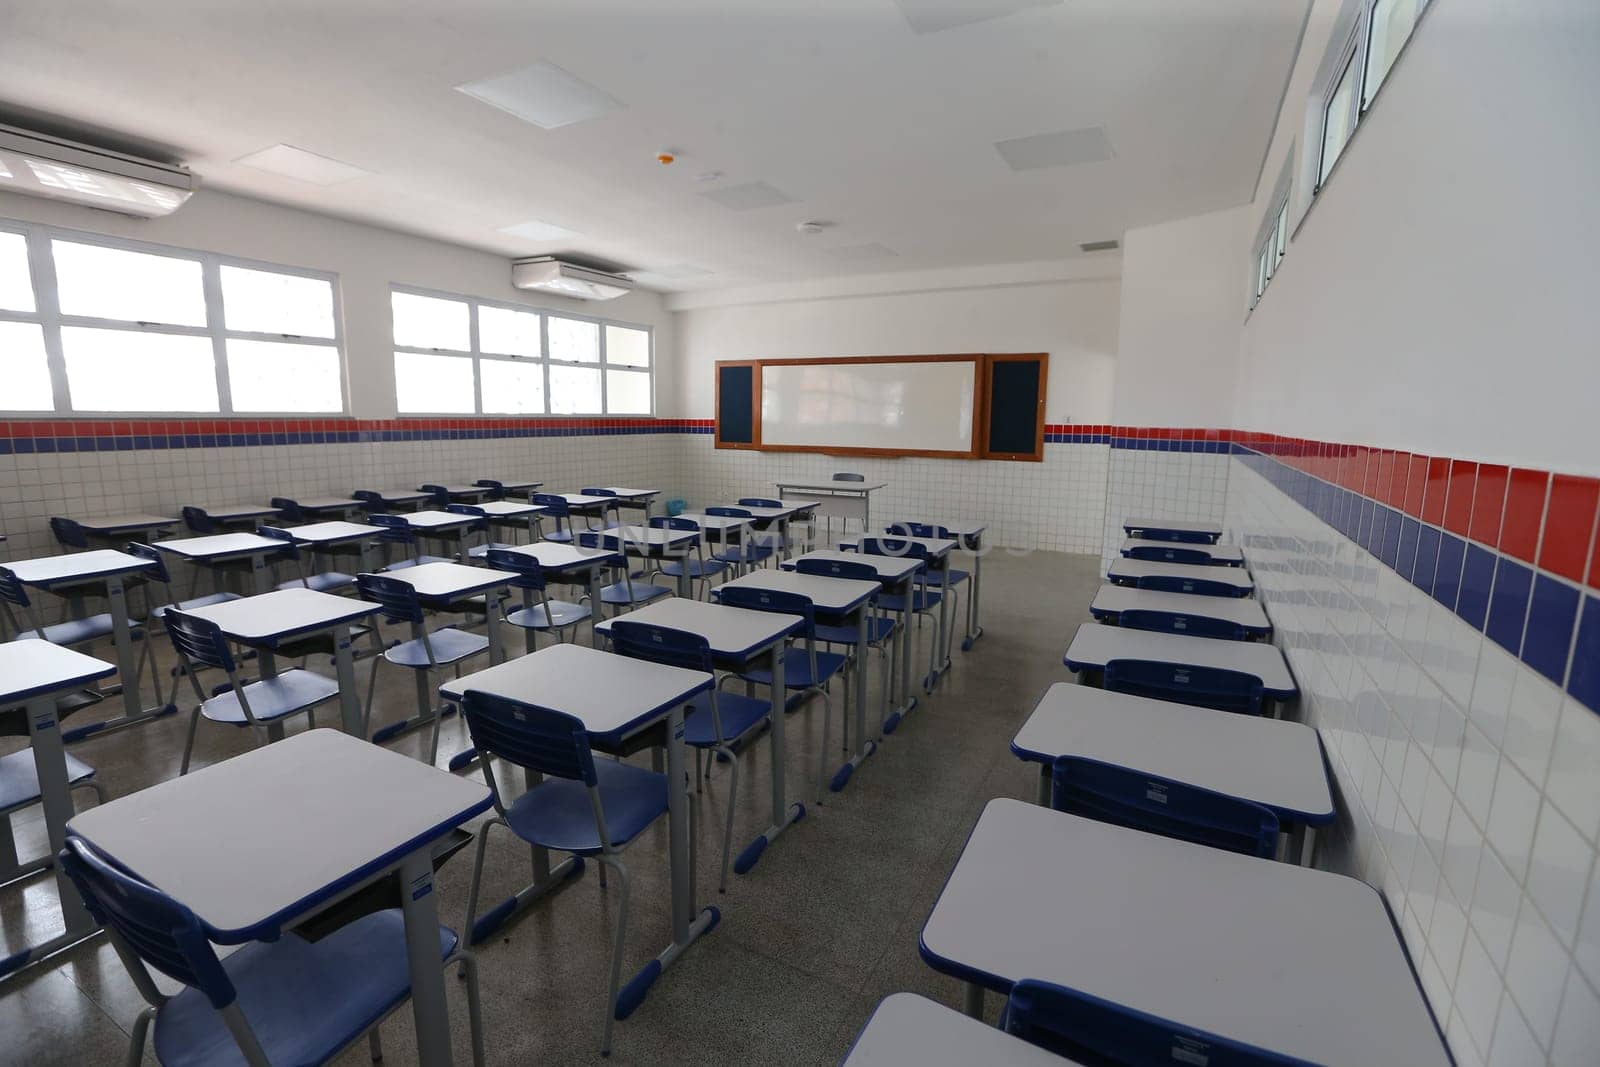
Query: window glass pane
point(1336, 125)
point(433, 383)
point(114, 283)
point(575, 341)
point(627, 392)
point(16, 287)
point(429, 322)
point(574, 390)
point(626, 347)
point(1392, 21)
point(24, 368)
point(281, 376)
point(508, 332)
point(512, 387)
point(264, 301)
point(1283, 230)
point(134, 370)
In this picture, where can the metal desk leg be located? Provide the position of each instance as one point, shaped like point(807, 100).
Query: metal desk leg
point(864, 746)
point(907, 700)
point(974, 626)
point(133, 711)
point(491, 626)
point(936, 667)
point(596, 609)
point(344, 665)
point(419, 904)
point(261, 573)
point(784, 814)
point(1046, 785)
point(685, 582)
point(972, 999)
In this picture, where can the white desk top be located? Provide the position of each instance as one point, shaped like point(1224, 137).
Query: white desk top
point(1134, 569)
point(437, 520)
point(735, 633)
point(1273, 762)
point(1193, 526)
point(459, 489)
point(1095, 645)
point(715, 522)
point(758, 512)
point(830, 487)
point(556, 556)
point(325, 503)
point(111, 524)
point(652, 536)
point(332, 533)
point(45, 571)
point(960, 529)
point(283, 613)
point(579, 500)
point(1291, 959)
point(1229, 554)
point(613, 695)
point(397, 496)
point(1113, 600)
point(256, 840)
point(509, 509)
point(830, 595)
point(889, 568)
point(449, 581)
point(514, 485)
point(622, 492)
point(216, 546)
point(938, 547)
point(238, 512)
point(34, 668)
point(911, 1031)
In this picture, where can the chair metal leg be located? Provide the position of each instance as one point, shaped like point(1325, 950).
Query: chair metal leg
point(822, 753)
point(616, 951)
point(374, 1045)
point(477, 879)
point(727, 832)
point(188, 744)
point(141, 1027)
point(469, 969)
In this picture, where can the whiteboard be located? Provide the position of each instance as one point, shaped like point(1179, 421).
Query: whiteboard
point(908, 406)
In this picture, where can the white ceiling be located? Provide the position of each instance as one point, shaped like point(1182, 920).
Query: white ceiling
point(886, 132)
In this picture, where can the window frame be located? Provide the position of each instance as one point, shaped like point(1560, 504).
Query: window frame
point(476, 355)
point(47, 313)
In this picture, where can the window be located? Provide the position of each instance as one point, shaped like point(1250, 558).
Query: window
point(94, 326)
point(457, 355)
point(1392, 22)
point(1338, 119)
point(1272, 238)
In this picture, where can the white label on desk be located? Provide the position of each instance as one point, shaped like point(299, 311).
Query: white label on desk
point(1180, 677)
point(1188, 1050)
point(45, 720)
point(421, 885)
point(1156, 791)
point(1180, 623)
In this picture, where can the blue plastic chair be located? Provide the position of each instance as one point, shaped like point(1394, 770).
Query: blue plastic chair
point(425, 652)
point(19, 789)
point(497, 488)
point(700, 568)
point(804, 669)
point(371, 501)
point(1168, 583)
point(438, 495)
point(1089, 1030)
point(1172, 552)
point(741, 548)
point(558, 509)
point(322, 581)
point(1125, 797)
point(159, 575)
point(259, 706)
point(547, 615)
point(289, 510)
point(68, 533)
point(482, 526)
point(922, 602)
point(720, 722)
point(283, 1001)
point(881, 630)
point(625, 592)
point(397, 531)
point(585, 807)
point(1172, 622)
point(199, 522)
point(947, 578)
point(1204, 687)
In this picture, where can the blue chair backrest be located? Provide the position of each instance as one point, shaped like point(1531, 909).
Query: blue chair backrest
point(395, 529)
point(599, 539)
point(399, 599)
point(661, 644)
point(1175, 554)
point(556, 505)
point(288, 510)
point(68, 532)
point(837, 568)
point(468, 509)
point(918, 529)
point(1089, 1030)
point(729, 513)
point(371, 502)
point(1204, 687)
point(1172, 583)
point(278, 533)
point(160, 572)
point(497, 489)
point(1172, 622)
point(893, 546)
point(198, 521)
point(673, 522)
point(529, 574)
point(1156, 805)
point(1189, 537)
point(12, 590)
point(595, 491)
point(159, 930)
point(540, 739)
point(438, 494)
point(849, 476)
point(760, 502)
point(784, 603)
point(198, 641)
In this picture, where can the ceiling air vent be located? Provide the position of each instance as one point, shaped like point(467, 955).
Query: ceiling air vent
point(552, 275)
point(40, 164)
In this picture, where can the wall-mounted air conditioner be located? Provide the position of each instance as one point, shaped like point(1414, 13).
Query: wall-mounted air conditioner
point(44, 165)
point(568, 279)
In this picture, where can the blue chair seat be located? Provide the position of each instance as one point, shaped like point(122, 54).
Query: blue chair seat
point(672, 568)
point(77, 631)
point(949, 577)
point(197, 602)
point(448, 643)
point(617, 593)
point(19, 778)
point(750, 553)
point(305, 1000)
point(878, 630)
point(739, 714)
point(326, 582)
point(563, 613)
point(921, 600)
point(797, 669)
point(416, 561)
point(272, 698)
point(557, 813)
point(480, 551)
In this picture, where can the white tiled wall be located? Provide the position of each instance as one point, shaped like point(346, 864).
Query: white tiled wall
point(1173, 485)
point(1469, 785)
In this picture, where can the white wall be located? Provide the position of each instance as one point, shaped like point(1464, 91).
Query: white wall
point(366, 258)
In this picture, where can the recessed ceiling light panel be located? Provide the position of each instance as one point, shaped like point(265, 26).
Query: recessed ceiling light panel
point(748, 197)
point(537, 230)
point(931, 16)
point(1063, 148)
point(297, 163)
point(544, 95)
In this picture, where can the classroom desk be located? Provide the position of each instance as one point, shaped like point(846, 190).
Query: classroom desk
point(1274, 763)
point(588, 507)
point(906, 1030)
point(969, 538)
point(738, 638)
point(393, 498)
point(458, 492)
point(441, 586)
point(132, 527)
point(327, 505)
point(440, 525)
point(1299, 961)
point(511, 513)
point(1094, 645)
point(841, 600)
point(323, 536)
point(569, 564)
point(938, 549)
point(641, 499)
point(1124, 571)
point(508, 485)
point(615, 698)
point(266, 621)
point(1112, 600)
point(763, 518)
point(847, 500)
point(898, 571)
point(1174, 551)
point(242, 515)
point(355, 813)
point(657, 543)
point(32, 675)
point(107, 568)
point(214, 549)
point(716, 527)
point(1187, 530)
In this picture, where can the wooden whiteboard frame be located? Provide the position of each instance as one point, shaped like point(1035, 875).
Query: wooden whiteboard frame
point(1043, 360)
